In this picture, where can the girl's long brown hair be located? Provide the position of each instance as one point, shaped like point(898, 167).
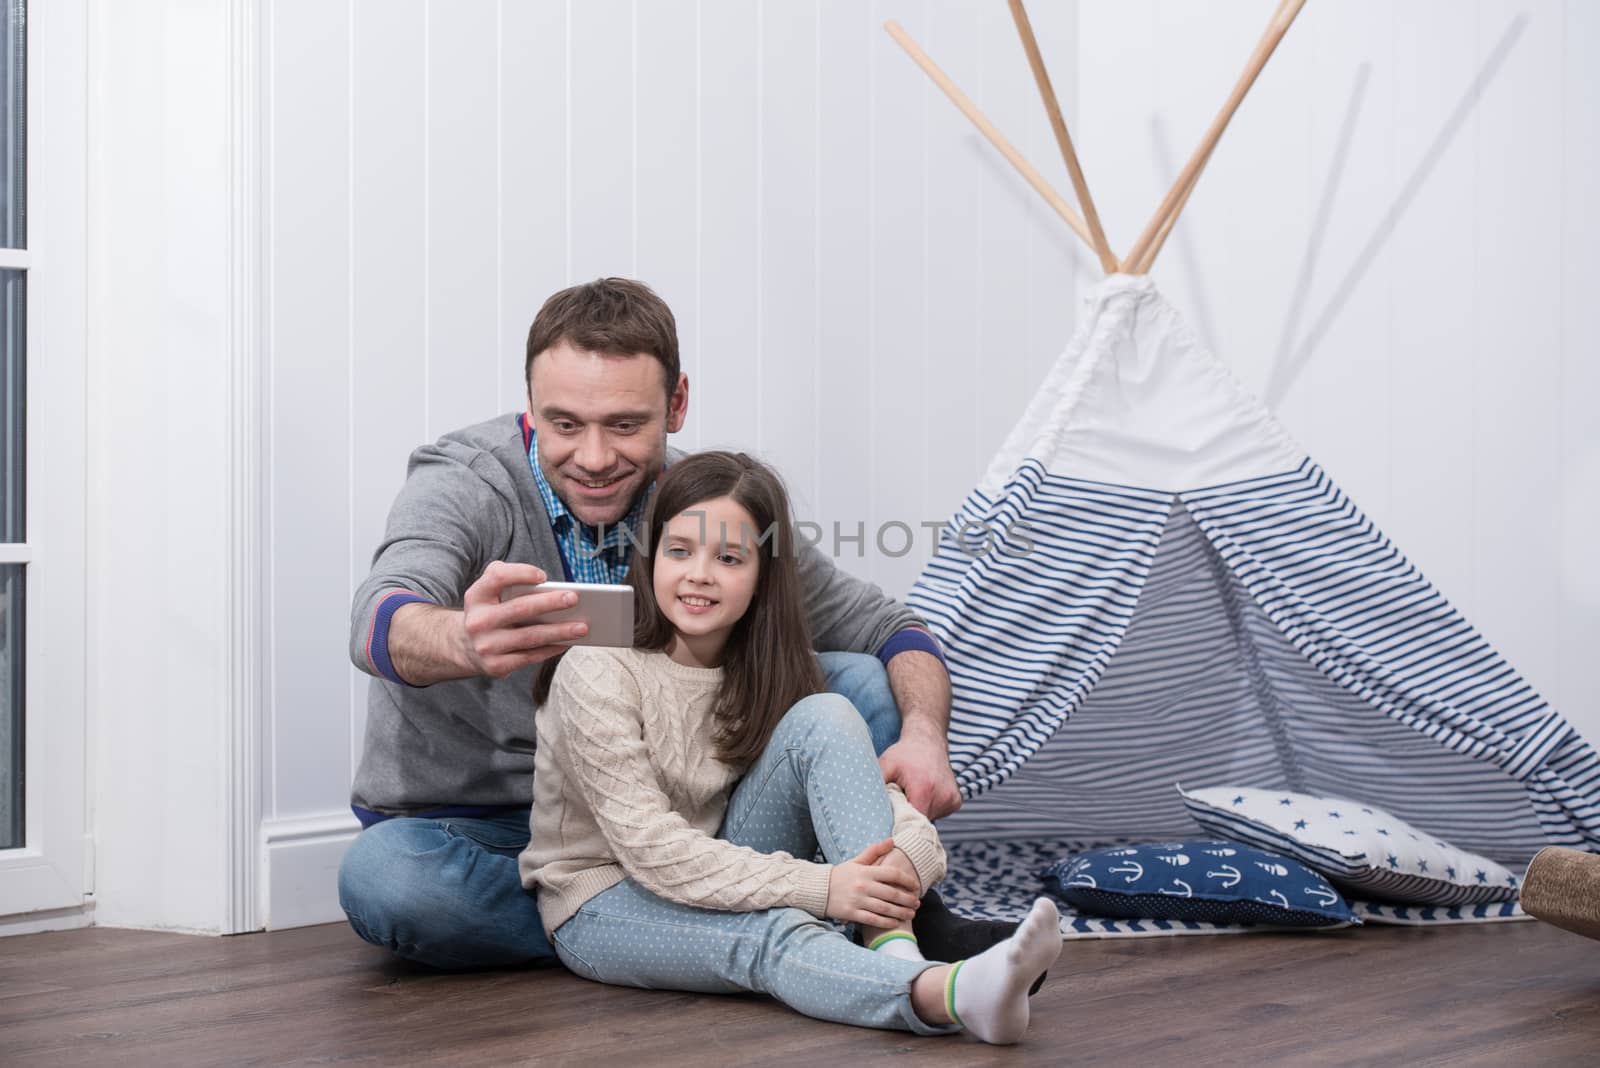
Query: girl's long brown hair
point(767, 664)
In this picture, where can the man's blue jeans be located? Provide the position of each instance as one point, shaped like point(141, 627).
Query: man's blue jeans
point(446, 892)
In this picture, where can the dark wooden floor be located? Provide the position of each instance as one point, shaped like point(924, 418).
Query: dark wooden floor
point(1522, 993)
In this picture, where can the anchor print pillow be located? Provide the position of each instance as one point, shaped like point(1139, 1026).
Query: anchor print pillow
point(1215, 881)
point(1362, 849)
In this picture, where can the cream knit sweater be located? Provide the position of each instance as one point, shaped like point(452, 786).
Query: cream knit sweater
point(627, 784)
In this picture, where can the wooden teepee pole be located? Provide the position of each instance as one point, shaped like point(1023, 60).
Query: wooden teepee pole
point(1052, 107)
point(985, 127)
point(1166, 227)
point(1143, 254)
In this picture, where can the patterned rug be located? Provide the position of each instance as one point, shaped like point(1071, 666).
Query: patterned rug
point(999, 880)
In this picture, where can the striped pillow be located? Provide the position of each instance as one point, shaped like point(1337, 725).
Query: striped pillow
point(1364, 851)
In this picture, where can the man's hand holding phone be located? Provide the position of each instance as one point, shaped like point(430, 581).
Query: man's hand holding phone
point(499, 636)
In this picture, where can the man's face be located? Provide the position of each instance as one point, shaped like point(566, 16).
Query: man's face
point(602, 422)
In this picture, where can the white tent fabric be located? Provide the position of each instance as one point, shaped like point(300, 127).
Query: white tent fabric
point(1153, 584)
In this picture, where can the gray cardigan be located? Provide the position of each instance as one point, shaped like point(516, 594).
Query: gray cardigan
point(470, 499)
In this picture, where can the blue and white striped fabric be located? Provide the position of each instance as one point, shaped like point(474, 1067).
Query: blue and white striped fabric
point(1174, 591)
point(1437, 915)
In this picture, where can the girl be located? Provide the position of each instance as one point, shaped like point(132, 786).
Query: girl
point(650, 874)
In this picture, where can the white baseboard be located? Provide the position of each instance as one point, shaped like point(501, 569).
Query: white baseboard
point(300, 868)
point(49, 920)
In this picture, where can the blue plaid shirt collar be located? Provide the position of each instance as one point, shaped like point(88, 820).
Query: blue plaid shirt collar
point(587, 556)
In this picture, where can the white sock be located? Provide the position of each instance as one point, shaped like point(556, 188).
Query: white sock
point(988, 994)
point(901, 944)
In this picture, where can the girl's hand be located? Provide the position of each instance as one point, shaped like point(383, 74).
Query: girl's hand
point(878, 895)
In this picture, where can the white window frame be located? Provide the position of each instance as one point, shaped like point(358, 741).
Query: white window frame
point(48, 881)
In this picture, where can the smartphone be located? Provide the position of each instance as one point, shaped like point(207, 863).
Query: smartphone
point(606, 607)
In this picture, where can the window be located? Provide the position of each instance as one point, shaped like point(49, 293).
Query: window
point(44, 851)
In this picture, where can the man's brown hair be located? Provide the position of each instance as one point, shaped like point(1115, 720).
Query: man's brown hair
point(610, 315)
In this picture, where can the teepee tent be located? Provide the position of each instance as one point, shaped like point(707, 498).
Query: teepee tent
point(1154, 584)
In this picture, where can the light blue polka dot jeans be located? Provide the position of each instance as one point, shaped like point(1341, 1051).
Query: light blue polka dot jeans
point(817, 784)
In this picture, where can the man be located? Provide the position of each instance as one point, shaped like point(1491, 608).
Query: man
point(445, 781)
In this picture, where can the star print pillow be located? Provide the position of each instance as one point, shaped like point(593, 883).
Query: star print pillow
point(1363, 850)
point(1219, 882)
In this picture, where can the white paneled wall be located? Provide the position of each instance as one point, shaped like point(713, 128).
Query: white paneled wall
point(161, 604)
point(865, 294)
point(1397, 246)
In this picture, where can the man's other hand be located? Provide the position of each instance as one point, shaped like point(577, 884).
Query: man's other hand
point(920, 763)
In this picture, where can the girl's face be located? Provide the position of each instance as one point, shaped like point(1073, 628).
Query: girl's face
point(706, 567)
